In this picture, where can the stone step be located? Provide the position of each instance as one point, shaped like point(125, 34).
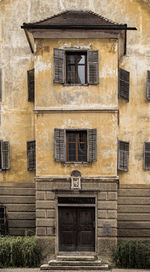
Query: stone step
point(76, 258)
point(74, 267)
point(76, 263)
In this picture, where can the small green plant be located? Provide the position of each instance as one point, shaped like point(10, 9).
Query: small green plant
point(132, 254)
point(19, 252)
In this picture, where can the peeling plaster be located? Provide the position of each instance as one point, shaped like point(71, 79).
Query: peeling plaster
point(41, 66)
point(71, 47)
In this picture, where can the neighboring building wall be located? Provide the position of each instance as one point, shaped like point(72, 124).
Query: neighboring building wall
point(19, 200)
point(134, 212)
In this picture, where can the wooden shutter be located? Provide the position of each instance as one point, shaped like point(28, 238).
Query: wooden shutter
point(30, 76)
point(31, 155)
point(1, 155)
point(147, 155)
point(0, 84)
point(123, 155)
point(92, 145)
point(60, 145)
point(59, 65)
point(93, 67)
point(123, 88)
point(148, 85)
point(5, 155)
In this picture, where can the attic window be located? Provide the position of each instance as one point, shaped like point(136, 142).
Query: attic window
point(76, 68)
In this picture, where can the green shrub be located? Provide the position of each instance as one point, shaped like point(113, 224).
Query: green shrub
point(132, 254)
point(19, 252)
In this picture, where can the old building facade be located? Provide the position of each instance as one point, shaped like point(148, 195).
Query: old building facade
point(74, 124)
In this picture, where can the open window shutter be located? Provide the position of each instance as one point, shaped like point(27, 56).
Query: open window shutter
point(5, 155)
point(123, 155)
point(59, 65)
point(0, 84)
point(31, 155)
point(123, 88)
point(60, 145)
point(92, 145)
point(93, 67)
point(1, 155)
point(31, 85)
point(148, 85)
point(147, 156)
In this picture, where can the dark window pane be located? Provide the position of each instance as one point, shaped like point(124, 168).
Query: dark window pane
point(71, 137)
point(81, 152)
point(71, 59)
point(81, 59)
point(72, 152)
point(82, 136)
point(81, 74)
point(71, 74)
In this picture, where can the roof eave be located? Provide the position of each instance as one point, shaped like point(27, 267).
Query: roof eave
point(88, 27)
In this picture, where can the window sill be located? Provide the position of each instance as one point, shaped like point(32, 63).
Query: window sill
point(67, 84)
point(68, 162)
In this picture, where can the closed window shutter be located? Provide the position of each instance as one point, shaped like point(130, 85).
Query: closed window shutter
point(59, 65)
point(31, 85)
point(5, 155)
point(148, 85)
point(123, 155)
point(92, 145)
point(93, 67)
point(60, 145)
point(0, 84)
point(147, 155)
point(31, 155)
point(123, 88)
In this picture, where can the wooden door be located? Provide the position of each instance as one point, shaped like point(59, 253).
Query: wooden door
point(76, 229)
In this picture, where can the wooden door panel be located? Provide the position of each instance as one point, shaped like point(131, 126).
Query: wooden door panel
point(67, 229)
point(86, 229)
point(76, 229)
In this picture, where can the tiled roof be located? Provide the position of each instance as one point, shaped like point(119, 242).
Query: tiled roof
point(76, 18)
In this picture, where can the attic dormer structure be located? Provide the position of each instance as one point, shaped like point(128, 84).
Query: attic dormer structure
point(76, 75)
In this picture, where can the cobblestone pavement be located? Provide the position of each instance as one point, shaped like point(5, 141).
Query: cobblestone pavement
point(38, 270)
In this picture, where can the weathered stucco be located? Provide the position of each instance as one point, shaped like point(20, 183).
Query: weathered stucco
point(17, 117)
point(106, 143)
point(50, 95)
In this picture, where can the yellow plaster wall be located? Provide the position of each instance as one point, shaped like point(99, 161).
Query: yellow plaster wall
point(17, 119)
point(49, 94)
point(106, 142)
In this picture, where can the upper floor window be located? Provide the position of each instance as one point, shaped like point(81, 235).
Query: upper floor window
point(76, 67)
point(76, 145)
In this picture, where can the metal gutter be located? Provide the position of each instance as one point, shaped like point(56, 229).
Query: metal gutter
point(29, 42)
